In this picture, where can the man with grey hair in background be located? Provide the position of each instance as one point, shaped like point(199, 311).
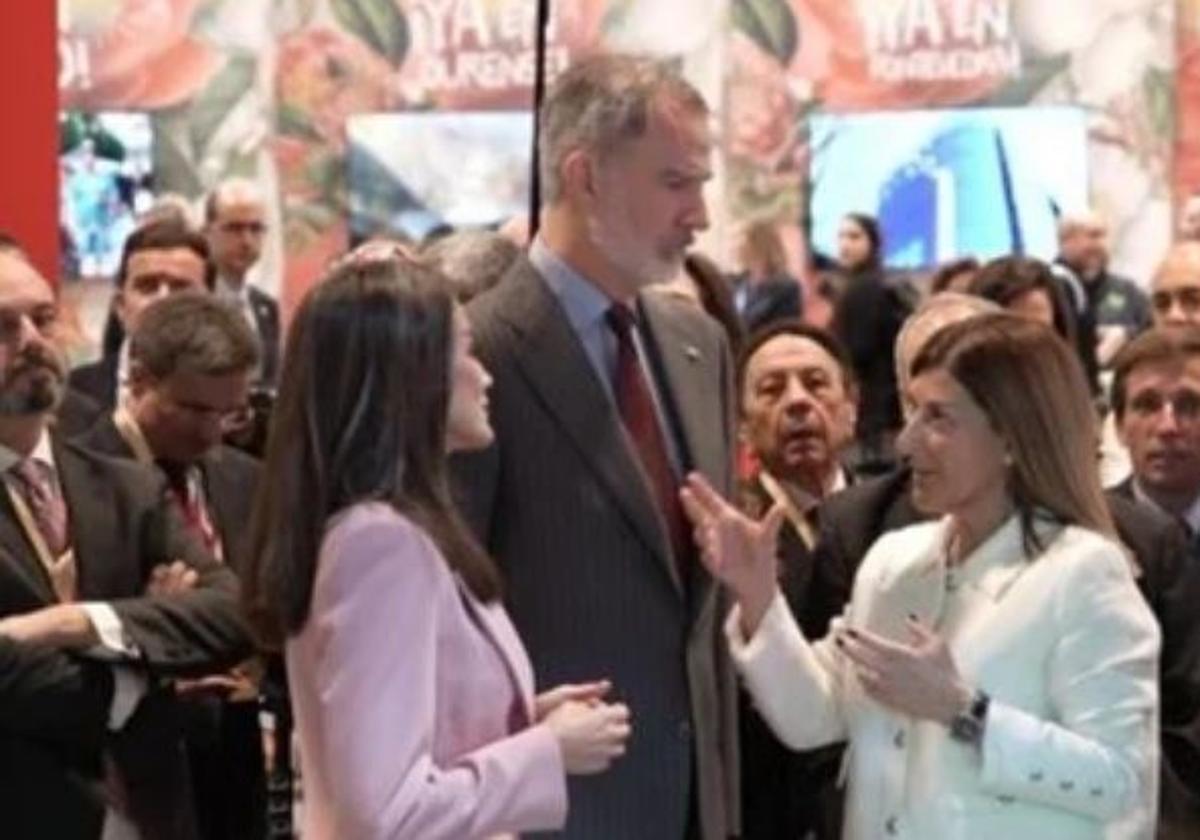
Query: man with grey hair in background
point(236, 227)
point(604, 399)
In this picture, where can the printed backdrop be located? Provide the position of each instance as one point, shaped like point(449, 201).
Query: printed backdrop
point(265, 88)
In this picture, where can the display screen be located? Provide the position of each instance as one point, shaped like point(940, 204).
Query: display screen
point(949, 183)
point(106, 180)
point(413, 174)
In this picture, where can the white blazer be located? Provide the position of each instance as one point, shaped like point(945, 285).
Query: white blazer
point(1064, 645)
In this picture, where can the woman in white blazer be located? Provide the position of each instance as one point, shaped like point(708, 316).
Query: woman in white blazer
point(994, 671)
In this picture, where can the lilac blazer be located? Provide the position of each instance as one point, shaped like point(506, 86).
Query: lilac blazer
point(413, 700)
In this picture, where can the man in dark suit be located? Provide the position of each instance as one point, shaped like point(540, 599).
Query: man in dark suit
point(1156, 406)
point(798, 407)
point(102, 594)
point(190, 362)
point(235, 222)
point(603, 399)
point(162, 258)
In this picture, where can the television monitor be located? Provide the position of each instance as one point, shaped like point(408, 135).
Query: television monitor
point(106, 180)
point(949, 183)
point(416, 173)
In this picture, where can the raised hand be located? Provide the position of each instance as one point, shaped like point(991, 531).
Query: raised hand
point(919, 680)
point(737, 550)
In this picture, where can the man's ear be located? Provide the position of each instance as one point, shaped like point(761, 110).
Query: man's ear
point(118, 307)
point(1119, 428)
point(578, 172)
point(140, 379)
point(852, 411)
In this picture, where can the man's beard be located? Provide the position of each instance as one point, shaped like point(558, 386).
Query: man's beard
point(40, 392)
point(628, 252)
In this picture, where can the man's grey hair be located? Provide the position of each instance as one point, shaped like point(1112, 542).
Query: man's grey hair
point(229, 191)
point(933, 315)
point(472, 260)
point(599, 103)
point(193, 332)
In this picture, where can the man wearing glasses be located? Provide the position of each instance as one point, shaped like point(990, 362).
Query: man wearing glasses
point(191, 360)
point(234, 221)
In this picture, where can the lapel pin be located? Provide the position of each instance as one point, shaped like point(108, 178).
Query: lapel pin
point(692, 352)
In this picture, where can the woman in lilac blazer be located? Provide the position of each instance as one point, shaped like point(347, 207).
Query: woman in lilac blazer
point(413, 696)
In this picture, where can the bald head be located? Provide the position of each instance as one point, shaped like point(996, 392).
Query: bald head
point(1189, 219)
point(1175, 292)
point(1083, 243)
point(235, 222)
point(934, 315)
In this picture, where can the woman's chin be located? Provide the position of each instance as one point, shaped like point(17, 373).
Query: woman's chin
point(471, 441)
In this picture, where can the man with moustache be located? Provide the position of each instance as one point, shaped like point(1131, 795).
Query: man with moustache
point(604, 398)
point(798, 408)
point(88, 746)
point(76, 411)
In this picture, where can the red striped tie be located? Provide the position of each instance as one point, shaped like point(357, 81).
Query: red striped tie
point(635, 404)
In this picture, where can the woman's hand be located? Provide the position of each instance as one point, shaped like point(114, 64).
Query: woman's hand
point(590, 735)
point(919, 680)
point(588, 693)
point(736, 550)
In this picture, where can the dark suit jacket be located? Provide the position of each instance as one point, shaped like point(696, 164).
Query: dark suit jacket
point(223, 741)
point(121, 528)
point(265, 310)
point(230, 480)
point(590, 579)
point(787, 794)
point(1169, 580)
point(96, 381)
point(1173, 590)
point(75, 414)
point(771, 300)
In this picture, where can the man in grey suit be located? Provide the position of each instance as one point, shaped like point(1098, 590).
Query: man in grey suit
point(604, 398)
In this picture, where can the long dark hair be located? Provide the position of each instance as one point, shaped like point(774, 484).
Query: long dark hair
point(869, 225)
point(361, 416)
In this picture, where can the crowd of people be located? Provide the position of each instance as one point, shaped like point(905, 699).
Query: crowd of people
point(586, 536)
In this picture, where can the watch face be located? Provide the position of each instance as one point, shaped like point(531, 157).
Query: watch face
point(965, 728)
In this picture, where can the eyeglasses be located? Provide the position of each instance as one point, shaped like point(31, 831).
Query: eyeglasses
point(1188, 298)
point(1185, 405)
point(232, 420)
point(239, 228)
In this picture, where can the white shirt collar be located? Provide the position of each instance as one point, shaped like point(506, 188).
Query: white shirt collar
point(230, 292)
point(42, 452)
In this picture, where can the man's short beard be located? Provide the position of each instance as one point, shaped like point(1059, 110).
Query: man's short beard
point(621, 249)
point(42, 396)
